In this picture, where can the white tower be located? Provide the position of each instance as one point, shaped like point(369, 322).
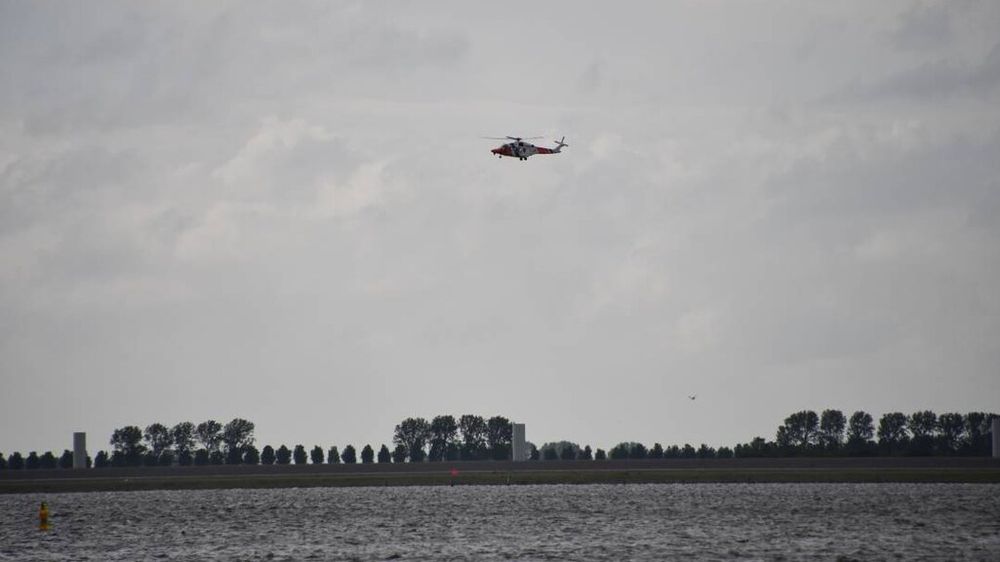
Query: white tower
point(996, 438)
point(79, 450)
point(519, 449)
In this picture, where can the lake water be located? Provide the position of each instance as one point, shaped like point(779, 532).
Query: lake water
point(594, 522)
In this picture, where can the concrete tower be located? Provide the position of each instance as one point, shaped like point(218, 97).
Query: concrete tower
point(996, 438)
point(79, 450)
point(519, 449)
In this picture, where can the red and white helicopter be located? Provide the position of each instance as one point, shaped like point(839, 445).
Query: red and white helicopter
point(522, 150)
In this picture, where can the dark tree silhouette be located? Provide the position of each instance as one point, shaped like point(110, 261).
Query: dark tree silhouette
point(209, 434)
point(473, 430)
point(32, 462)
point(384, 456)
point(688, 452)
point(182, 435)
point(586, 454)
point(166, 458)
point(251, 456)
point(367, 455)
point(283, 455)
point(127, 442)
point(892, 435)
point(185, 458)
point(499, 433)
point(724, 453)
point(831, 429)
point(333, 457)
point(443, 432)
point(923, 426)
point(349, 456)
point(158, 438)
point(550, 455)
point(799, 431)
point(620, 451)
point(600, 455)
point(66, 460)
point(201, 457)
point(267, 455)
point(3, 462)
point(637, 451)
point(316, 455)
point(47, 460)
point(951, 431)
point(399, 454)
point(237, 435)
point(706, 452)
point(149, 458)
point(16, 461)
point(412, 433)
point(656, 452)
point(299, 455)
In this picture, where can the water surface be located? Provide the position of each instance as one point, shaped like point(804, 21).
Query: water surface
point(588, 522)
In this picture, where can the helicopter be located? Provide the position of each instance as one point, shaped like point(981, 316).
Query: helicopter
point(522, 150)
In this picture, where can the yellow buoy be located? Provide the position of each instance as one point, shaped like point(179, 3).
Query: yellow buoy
point(43, 517)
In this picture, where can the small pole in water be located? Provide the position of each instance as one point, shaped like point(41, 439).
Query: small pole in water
point(43, 517)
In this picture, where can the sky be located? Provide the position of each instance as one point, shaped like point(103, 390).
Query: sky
point(286, 212)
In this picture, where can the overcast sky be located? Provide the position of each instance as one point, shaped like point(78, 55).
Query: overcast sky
point(285, 212)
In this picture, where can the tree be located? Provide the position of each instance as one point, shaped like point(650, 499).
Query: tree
point(656, 452)
point(182, 435)
point(620, 451)
point(499, 433)
point(892, 434)
point(333, 456)
point(831, 429)
point(237, 436)
point(688, 452)
point(567, 454)
point(637, 451)
point(184, 458)
point(951, 429)
point(47, 460)
point(201, 457)
point(166, 458)
point(706, 452)
point(16, 461)
point(724, 453)
point(861, 427)
point(3, 462)
point(283, 455)
point(66, 460)
point(349, 456)
point(209, 434)
point(367, 455)
point(413, 433)
point(149, 458)
point(586, 454)
point(102, 460)
point(534, 455)
point(860, 430)
point(267, 455)
point(32, 462)
point(127, 442)
point(316, 455)
point(399, 454)
point(566, 450)
point(550, 454)
point(923, 426)
point(299, 456)
point(384, 456)
point(800, 430)
point(443, 433)
point(600, 455)
point(158, 438)
point(473, 430)
point(672, 452)
point(251, 456)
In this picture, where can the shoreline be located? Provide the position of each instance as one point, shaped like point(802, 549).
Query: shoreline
point(787, 470)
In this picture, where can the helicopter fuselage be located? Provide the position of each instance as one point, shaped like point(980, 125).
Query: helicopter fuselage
point(521, 150)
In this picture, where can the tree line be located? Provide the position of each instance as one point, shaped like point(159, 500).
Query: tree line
point(473, 437)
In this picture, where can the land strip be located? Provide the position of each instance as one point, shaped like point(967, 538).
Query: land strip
point(928, 469)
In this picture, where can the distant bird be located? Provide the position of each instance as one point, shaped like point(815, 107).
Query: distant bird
point(692, 396)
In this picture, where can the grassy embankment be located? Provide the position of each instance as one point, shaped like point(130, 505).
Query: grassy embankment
point(195, 481)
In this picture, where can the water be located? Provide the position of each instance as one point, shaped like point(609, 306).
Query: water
point(594, 522)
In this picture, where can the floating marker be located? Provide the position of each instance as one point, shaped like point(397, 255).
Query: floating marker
point(43, 517)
